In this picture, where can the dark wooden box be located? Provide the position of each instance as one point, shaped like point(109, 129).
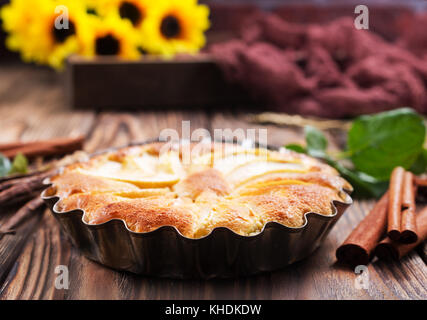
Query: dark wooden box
point(187, 81)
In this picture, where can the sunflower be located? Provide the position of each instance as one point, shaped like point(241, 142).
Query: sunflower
point(176, 26)
point(135, 11)
point(35, 33)
point(111, 36)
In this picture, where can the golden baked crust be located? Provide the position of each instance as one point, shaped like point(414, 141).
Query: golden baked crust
point(197, 188)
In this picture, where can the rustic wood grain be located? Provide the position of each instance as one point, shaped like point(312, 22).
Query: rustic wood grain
point(29, 258)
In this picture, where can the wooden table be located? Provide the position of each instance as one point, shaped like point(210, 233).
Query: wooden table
point(32, 106)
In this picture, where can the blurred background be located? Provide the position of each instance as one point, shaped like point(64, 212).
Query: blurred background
point(300, 57)
point(390, 18)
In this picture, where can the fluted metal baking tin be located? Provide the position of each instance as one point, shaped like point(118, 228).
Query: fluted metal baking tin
point(165, 252)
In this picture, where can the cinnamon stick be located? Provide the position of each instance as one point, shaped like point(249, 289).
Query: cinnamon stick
point(357, 249)
point(30, 208)
point(389, 249)
point(13, 145)
point(395, 203)
point(408, 226)
point(43, 148)
point(20, 144)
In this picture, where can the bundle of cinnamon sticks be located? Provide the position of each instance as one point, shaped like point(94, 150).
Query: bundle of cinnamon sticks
point(42, 148)
point(393, 218)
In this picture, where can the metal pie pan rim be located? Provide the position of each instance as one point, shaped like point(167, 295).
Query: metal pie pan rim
point(307, 216)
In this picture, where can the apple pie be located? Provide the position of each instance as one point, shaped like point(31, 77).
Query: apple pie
point(197, 187)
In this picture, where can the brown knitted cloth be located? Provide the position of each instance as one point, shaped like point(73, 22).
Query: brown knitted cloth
point(332, 70)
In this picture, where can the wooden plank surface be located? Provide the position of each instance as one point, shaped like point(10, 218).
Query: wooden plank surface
point(32, 106)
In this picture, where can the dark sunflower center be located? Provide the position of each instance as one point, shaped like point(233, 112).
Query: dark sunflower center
point(60, 35)
point(129, 11)
point(91, 11)
point(142, 51)
point(107, 45)
point(170, 27)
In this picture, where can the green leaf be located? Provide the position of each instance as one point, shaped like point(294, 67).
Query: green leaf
point(378, 143)
point(316, 140)
point(420, 164)
point(296, 147)
point(5, 166)
point(19, 164)
point(365, 186)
